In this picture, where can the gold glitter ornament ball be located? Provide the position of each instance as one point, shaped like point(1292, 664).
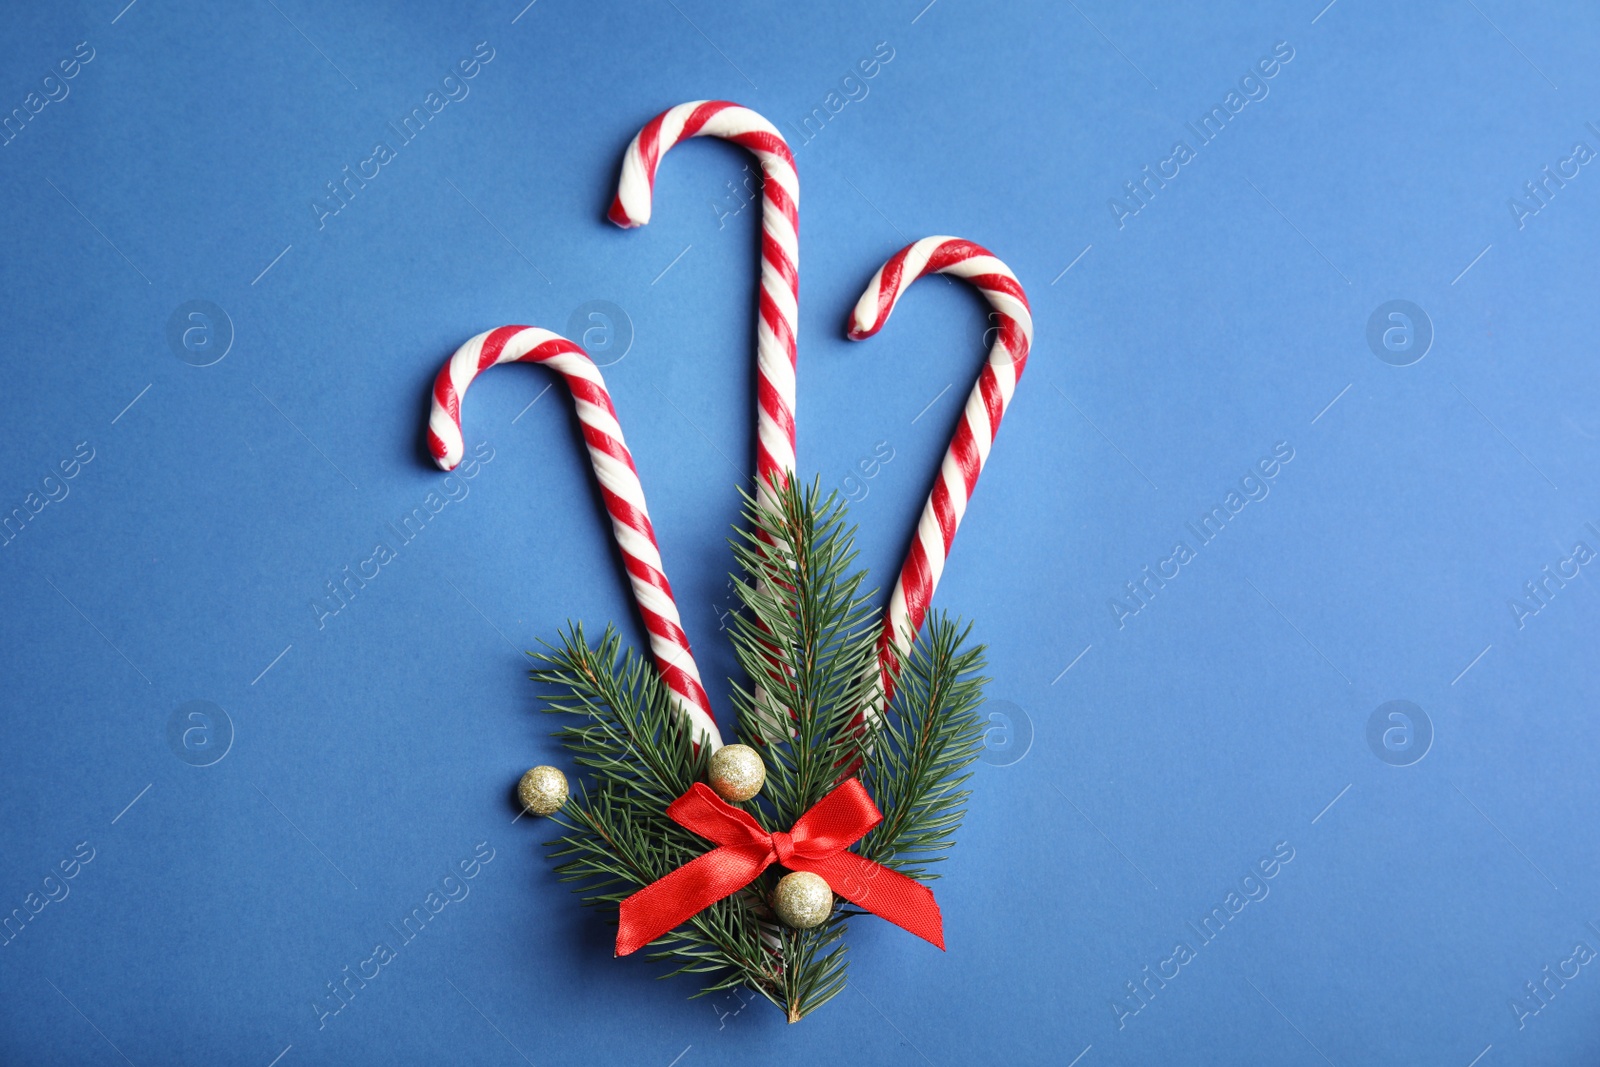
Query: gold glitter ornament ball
point(543, 790)
point(736, 773)
point(802, 900)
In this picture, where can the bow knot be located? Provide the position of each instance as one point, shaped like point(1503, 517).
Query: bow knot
point(818, 842)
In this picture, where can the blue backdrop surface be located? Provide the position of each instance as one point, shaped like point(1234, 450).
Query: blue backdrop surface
point(1283, 555)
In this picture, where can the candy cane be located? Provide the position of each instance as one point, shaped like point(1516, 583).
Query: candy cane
point(974, 435)
point(778, 305)
point(619, 486)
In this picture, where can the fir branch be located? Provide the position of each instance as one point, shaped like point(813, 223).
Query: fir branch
point(806, 635)
point(629, 730)
point(916, 766)
point(806, 638)
point(619, 839)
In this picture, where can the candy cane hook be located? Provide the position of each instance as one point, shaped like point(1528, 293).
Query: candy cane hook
point(619, 486)
point(778, 304)
point(974, 435)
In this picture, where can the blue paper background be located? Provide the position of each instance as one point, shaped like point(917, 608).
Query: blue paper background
point(1138, 770)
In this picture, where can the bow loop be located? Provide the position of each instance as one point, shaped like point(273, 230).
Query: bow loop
point(837, 821)
point(701, 810)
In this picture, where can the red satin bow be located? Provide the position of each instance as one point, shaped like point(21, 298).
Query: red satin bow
point(818, 843)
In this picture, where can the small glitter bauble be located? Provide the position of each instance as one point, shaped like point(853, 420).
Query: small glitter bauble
point(802, 900)
point(736, 773)
point(543, 790)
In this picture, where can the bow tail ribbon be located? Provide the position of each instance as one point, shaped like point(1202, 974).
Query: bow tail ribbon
point(818, 843)
point(888, 894)
point(687, 891)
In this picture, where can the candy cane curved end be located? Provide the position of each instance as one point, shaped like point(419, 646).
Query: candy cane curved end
point(445, 441)
point(970, 446)
point(777, 318)
point(940, 255)
point(619, 488)
point(697, 118)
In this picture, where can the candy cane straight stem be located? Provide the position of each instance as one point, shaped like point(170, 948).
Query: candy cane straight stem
point(619, 486)
point(777, 323)
point(974, 435)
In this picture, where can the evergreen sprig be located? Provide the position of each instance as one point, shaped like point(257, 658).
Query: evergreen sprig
point(806, 638)
point(918, 764)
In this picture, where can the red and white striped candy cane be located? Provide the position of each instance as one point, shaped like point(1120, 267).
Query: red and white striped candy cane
point(974, 436)
point(778, 306)
point(619, 486)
